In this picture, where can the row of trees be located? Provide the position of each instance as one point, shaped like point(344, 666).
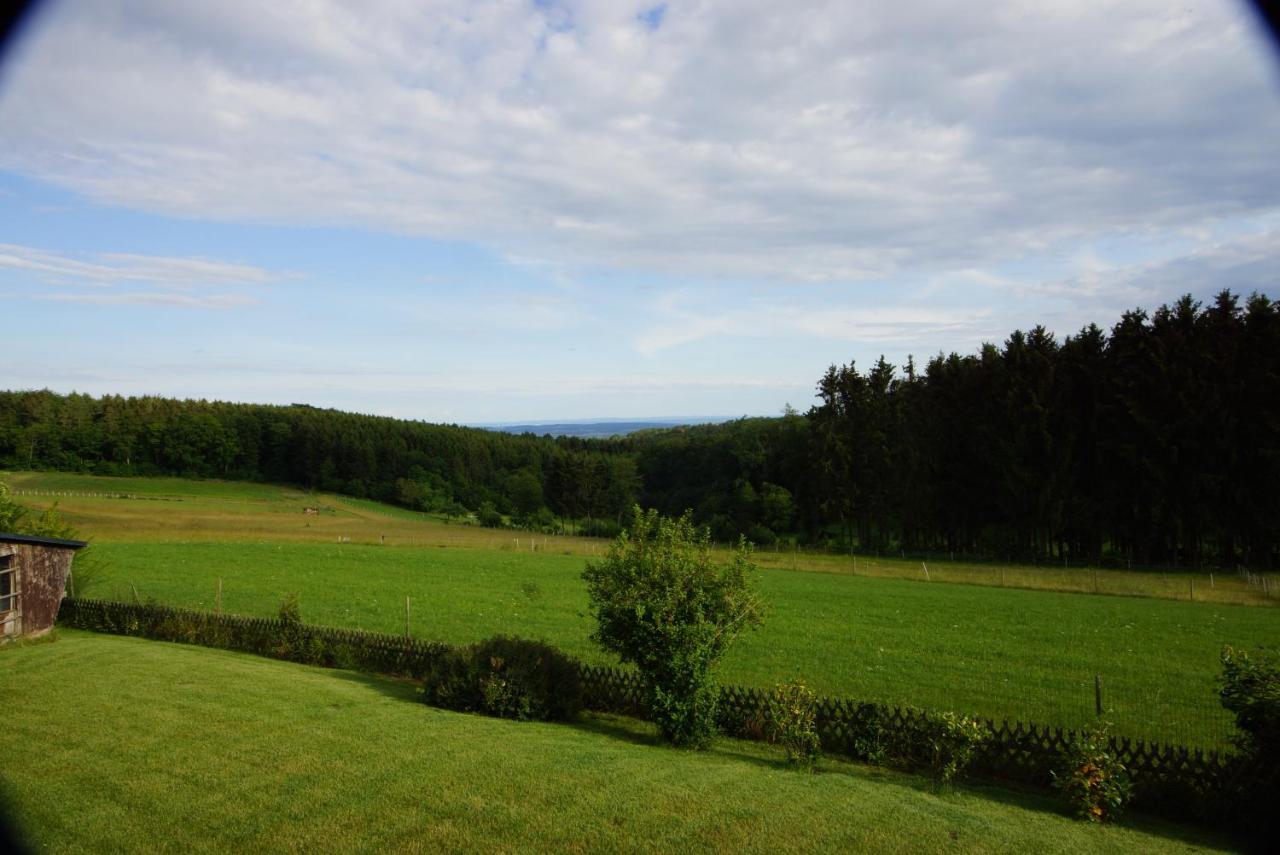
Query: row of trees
point(418, 465)
point(1157, 443)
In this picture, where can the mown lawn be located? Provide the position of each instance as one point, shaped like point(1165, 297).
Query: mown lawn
point(115, 744)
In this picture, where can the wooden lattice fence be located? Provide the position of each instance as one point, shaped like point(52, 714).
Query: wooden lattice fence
point(1171, 777)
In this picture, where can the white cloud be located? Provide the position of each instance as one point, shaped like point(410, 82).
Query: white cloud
point(186, 301)
point(110, 268)
point(173, 281)
point(681, 321)
point(1241, 263)
point(739, 139)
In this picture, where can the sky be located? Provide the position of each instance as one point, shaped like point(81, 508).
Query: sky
point(509, 211)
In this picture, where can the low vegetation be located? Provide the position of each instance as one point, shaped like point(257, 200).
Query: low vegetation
point(791, 723)
point(1092, 780)
point(508, 678)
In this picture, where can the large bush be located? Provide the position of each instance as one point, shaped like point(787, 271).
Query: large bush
point(664, 605)
point(508, 678)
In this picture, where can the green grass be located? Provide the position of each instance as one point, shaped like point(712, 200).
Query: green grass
point(115, 744)
point(883, 634)
point(173, 509)
point(1019, 654)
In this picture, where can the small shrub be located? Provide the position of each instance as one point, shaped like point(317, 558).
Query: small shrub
point(290, 611)
point(951, 741)
point(489, 516)
point(1251, 691)
point(508, 678)
point(1092, 780)
point(792, 710)
point(867, 736)
point(761, 535)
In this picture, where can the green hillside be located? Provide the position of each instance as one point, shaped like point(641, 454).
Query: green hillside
point(129, 745)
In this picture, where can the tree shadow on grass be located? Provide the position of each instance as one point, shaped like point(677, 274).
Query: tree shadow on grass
point(618, 727)
point(1013, 795)
point(403, 689)
point(1028, 798)
point(637, 732)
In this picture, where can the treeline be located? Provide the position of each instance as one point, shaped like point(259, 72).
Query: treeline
point(422, 466)
point(1155, 443)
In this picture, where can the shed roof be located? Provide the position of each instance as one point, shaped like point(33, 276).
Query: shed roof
point(6, 537)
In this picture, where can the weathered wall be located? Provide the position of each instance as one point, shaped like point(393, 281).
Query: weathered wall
point(43, 571)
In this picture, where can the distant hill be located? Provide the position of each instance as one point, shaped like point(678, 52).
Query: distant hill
point(600, 429)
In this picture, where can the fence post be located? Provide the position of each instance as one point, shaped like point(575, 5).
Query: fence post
point(1097, 693)
point(926, 570)
point(136, 599)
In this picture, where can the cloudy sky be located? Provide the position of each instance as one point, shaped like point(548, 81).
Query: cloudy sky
point(507, 211)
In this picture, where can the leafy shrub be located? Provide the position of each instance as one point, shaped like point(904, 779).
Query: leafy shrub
point(867, 733)
point(290, 611)
point(1251, 690)
point(1093, 781)
point(508, 678)
point(489, 516)
point(791, 714)
point(662, 604)
point(951, 741)
point(761, 535)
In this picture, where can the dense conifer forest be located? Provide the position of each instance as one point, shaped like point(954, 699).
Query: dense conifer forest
point(1156, 443)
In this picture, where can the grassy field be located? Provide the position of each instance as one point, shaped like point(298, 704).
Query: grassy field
point(130, 745)
point(149, 509)
point(1002, 652)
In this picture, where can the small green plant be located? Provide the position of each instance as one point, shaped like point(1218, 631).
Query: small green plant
point(508, 678)
point(290, 611)
point(1092, 780)
point(951, 741)
point(791, 723)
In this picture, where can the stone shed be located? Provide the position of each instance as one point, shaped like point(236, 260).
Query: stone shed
point(33, 576)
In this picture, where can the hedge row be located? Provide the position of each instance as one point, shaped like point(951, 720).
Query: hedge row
point(294, 641)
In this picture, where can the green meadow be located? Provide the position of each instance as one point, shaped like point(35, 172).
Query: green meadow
point(1003, 652)
point(123, 744)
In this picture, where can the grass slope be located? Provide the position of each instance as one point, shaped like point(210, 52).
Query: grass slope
point(125, 745)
